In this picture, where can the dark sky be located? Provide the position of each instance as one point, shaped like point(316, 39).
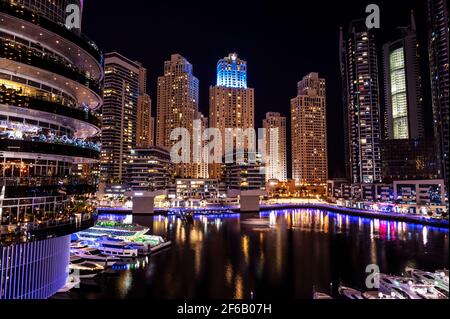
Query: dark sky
point(281, 41)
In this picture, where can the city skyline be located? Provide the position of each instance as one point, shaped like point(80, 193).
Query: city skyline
point(254, 45)
point(233, 152)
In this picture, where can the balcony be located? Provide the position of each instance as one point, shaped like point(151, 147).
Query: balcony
point(14, 51)
point(37, 147)
point(79, 40)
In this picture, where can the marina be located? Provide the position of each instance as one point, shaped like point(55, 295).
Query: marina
point(198, 256)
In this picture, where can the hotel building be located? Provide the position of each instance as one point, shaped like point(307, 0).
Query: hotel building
point(50, 86)
point(231, 103)
point(309, 132)
point(275, 128)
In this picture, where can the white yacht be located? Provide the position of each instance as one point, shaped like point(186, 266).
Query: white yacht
point(349, 293)
point(117, 249)
point(84, 269)
point(373, 294)
point(321, 295)
point(407, 288)
point(95, 255)
point(435, 279)
point(396, 287)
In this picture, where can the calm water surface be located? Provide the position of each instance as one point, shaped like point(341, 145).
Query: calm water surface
point(296, 250)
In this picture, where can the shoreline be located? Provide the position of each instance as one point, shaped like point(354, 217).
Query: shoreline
point(413, 219)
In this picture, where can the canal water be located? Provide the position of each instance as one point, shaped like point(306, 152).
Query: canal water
point(273, 254)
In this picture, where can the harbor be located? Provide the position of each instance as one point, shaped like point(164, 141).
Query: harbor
point(285, 253)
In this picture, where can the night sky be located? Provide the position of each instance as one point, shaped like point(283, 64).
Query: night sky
point(281, 41)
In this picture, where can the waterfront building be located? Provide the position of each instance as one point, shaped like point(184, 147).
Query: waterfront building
point(275, 129)
point(231, 103)
point(119, 114)
point(245, 172)
point(420, 196)
point(149, 169)
point(177, 107)
point(438, 50)
point(359, 67)
point(50, 87)
point(309, 132)
point(197, 188)
point(145, 123)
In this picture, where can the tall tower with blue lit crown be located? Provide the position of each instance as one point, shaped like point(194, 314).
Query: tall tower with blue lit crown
point(231, 102)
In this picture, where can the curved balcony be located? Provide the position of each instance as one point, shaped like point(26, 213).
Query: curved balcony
point(25, 55)
point(12, 192)
point(13, 98)
point(36, 147)
point(47, 26)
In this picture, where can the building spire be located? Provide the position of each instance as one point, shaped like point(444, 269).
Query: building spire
point(413, 21)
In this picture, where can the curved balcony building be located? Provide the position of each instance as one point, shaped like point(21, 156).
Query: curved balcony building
point(51, 81)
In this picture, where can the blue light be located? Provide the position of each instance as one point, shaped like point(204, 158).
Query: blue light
point(232, 72)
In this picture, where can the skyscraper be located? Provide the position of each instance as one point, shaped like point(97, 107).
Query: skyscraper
point(275, 127)
point(309, 132)
point(231, 102)
point(119, 115)
point(177, 106)
point(438, 49)
point(403, 87)
point(406, 152)
point(50, 87)
point(145, 121)
point(359, 66)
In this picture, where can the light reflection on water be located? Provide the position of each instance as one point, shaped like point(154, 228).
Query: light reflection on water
point(294, 250)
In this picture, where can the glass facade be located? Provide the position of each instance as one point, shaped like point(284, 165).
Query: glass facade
point(399, 95)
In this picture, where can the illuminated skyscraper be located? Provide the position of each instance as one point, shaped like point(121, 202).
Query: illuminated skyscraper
point(403, 88)
point(359, 68)
point(309, 132)
point(145, 121)
point(276, 166)
point(438, 49)
point(119, 115)
point(177, 106)
point(231, 102)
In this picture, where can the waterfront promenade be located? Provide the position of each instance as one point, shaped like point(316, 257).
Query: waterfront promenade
point(409, 218)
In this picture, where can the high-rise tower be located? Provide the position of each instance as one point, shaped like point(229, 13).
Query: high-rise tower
point(275, 127)
point(119, 114)
point(359, 66)
point(438, 49)
point(309, 132)
point(177, 106)
point(231, 102)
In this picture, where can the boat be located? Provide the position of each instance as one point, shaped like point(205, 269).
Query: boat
point(95, 255)
point(161, 246)
point(374, 294)
point(104, 230)
point(321, 295)
point(349, 293)
point(396, 287)
point(117, 248)
point(437, 279)
point(408, 288)
point(71, 282)
point(84, 269)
